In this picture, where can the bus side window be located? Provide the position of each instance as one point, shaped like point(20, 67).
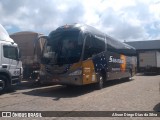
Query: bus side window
point(93, 46)
point(111, 45)
point(87, 49)
point(98, 45)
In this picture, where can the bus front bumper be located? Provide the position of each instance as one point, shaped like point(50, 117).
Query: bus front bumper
point(62, 79)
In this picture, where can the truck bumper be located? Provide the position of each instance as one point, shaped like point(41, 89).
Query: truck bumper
point(15, 80)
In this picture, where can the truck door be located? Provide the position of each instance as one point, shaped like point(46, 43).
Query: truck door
point(10, 60)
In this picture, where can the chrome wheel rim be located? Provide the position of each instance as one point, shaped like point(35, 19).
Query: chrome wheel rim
point(101, 82)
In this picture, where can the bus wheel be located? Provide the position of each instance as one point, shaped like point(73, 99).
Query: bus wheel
point(130, 75)
point(100, 83)
point(3, 84)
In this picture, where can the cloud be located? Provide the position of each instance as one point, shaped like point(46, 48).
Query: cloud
point(127, 23)
point(122, 19)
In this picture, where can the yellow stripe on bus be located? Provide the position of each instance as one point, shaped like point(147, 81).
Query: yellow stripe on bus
point(123, 65)
point(89, 75)
point(76, 65)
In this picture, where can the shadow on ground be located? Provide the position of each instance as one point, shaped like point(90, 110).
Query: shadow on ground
point(24, 85)
point(147, 74)
point(57, 91)
point(157, 108)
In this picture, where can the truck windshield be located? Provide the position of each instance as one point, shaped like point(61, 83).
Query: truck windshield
point(3, 33)
point(65, 46)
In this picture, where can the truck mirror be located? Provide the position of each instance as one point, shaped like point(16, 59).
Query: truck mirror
point(19, 56)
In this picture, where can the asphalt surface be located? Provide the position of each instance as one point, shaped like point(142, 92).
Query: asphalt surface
point(140, 94)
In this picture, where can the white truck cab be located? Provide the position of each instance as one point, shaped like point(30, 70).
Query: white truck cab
point(10, 64)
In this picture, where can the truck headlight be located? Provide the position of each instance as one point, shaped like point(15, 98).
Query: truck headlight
point(77, 72)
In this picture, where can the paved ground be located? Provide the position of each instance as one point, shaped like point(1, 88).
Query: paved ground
point(140, 94)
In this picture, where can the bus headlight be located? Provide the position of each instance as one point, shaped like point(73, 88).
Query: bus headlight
point(77, 72)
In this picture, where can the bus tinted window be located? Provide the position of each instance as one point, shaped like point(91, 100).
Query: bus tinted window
point(93, 46)
point(98, 44)
point(66, 46)
point(118, 47)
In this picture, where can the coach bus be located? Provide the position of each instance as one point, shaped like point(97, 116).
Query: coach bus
point(79, 54)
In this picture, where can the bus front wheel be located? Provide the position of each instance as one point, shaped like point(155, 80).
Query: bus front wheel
point(130, 76)
point(100, 83)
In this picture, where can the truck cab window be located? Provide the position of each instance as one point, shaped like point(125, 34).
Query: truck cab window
point(10, 52)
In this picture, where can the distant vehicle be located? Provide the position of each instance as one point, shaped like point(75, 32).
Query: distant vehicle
point(10, 64)
point(30, 52)
point(149, 62)
point(80, 54)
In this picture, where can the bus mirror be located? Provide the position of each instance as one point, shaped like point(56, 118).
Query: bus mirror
point(49, 55)
point(43, 37)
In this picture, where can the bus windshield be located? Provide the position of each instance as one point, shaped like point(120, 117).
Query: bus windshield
point(65, 46)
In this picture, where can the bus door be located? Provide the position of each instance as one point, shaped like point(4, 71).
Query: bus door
point(94, 58)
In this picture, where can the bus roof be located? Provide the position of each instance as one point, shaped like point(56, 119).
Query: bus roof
point(89, 29)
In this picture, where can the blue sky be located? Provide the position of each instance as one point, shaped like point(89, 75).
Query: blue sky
point(128, 20)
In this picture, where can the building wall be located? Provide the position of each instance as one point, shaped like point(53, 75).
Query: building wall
point(141, 51)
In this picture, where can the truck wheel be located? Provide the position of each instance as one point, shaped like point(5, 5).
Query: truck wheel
point(100, 83)
point(3, 84)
